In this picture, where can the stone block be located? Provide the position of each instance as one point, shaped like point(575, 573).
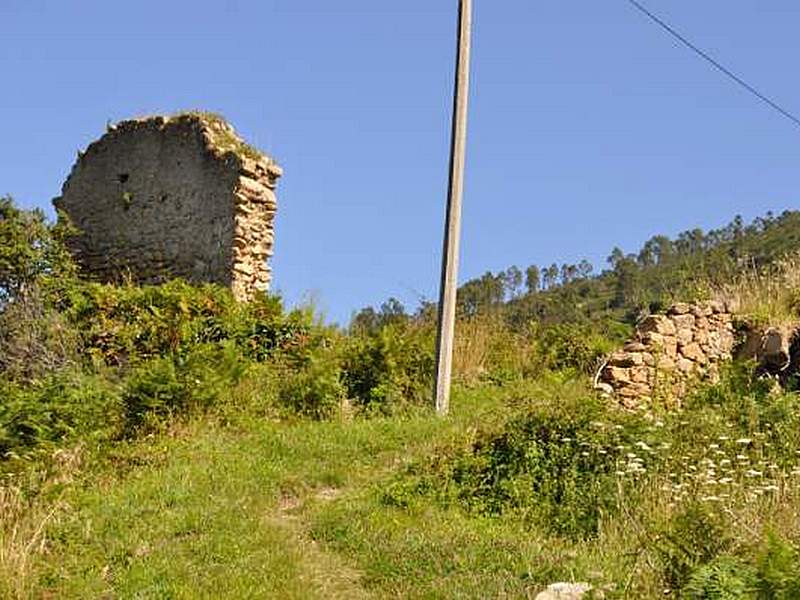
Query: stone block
point(626, 359)
point(679, 308)
point(634, 347)
point(666, 364)
point(702, 310)
point(635, 390)
point(657, 324)
point(693, 352)
point(616, 375)
point(641, 374)
point(661, 344)
point(774, 350)
point(683, 321)
point(605, 389)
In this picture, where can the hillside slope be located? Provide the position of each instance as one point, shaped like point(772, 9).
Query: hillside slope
point(169, 442)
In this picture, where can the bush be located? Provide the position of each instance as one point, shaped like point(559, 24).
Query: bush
point(61, 409)
point(314, 390)
point(35, 340)
point(752, 405)
point(31, 250)
point(554, 466)
point(693, 538)
point(175, 385)
point(725, 578)
point(778, 569)
point(390, 368)
point(579, 348)
point(129, 324)
point(773, 572)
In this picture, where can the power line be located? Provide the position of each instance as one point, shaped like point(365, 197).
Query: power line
point(705, 56)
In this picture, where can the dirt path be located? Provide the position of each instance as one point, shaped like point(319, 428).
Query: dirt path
point(326, 572)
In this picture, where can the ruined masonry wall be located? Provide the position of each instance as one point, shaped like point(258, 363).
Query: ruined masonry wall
point(255, 205)
point(668, 351)
point(160, 198)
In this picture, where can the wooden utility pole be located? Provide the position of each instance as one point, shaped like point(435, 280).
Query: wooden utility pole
point(452, 232)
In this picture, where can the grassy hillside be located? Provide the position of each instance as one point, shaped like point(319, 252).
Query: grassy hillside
point(520, 488)
point(167, 442)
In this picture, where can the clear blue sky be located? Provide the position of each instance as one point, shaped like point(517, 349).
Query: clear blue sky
point(589, 126)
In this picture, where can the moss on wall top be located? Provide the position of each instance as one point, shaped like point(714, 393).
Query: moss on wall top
point(221, 134)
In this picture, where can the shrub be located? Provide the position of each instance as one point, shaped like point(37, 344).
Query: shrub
point(390, 368)
point(35, 340)
point(693, 538)
point(130, 324)
point(725, 578)
point(554, 466)
point(772, 572)
point(752, 405)
point(61, 409)
point(314, 390)
point(579, 348)
point(30, 249)
point(778, 568)
point(179, 384)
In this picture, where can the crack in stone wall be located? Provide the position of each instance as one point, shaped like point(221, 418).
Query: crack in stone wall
point(166, 197)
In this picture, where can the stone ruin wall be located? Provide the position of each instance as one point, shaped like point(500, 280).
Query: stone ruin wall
point(160, 198)
point(255, 205)
point(669, 351)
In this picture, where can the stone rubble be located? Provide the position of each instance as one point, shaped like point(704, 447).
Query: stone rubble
point(667, 351)
point(688, 343)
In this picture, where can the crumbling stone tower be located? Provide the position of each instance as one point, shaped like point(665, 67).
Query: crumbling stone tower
point(166, 197)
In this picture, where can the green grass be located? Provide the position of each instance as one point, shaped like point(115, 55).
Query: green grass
point(238, 506)
point(214, 511)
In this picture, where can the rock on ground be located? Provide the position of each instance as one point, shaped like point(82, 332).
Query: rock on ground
point(564, 591)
